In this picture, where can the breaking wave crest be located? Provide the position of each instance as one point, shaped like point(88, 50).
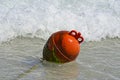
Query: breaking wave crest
point(95, 19)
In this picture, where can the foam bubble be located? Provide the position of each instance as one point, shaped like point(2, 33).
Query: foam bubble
point(40, 18)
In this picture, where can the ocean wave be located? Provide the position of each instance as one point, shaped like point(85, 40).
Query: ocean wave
point(95, 20)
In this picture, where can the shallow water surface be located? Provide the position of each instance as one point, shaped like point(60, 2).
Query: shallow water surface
point(20, 60)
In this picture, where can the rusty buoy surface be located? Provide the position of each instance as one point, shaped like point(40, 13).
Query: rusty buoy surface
point(62, 46)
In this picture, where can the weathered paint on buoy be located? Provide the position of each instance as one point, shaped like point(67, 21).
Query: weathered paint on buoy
point(62, 46)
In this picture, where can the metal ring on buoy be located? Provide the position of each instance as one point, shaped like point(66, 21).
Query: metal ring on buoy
point(77, 35)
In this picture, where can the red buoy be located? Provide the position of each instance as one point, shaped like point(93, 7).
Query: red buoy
point(62, 46)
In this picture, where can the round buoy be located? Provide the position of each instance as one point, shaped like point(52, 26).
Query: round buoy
point(62, 46)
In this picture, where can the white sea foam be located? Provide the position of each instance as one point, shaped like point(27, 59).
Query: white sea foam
point(95, 19)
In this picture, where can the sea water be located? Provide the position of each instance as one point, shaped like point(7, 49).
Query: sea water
point(25, 26)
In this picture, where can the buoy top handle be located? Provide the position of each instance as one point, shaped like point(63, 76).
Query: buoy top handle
point(77, 35)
